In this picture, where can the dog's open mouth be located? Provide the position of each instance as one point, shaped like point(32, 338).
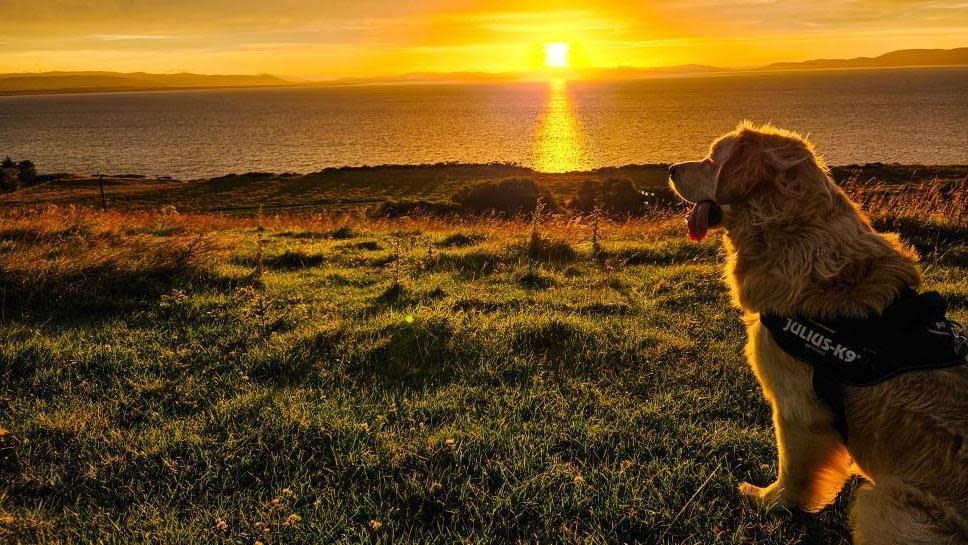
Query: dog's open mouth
point(704, 214)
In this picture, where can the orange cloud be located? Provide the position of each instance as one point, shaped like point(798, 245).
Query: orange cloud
point(336, 38)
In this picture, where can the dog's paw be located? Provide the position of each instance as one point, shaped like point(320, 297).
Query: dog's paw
point(751, 492)
point(764, 497)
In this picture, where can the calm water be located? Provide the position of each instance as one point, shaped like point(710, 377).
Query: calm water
point(912, 115)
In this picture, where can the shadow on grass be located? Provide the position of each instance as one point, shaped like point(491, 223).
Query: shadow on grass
point(469, 263)
point(568, 345)
point(404, 353)
point(413, 352)
point(666, 253)
point(461, 240)
point(481, 305)
point(398, 295)
point(93, 293)
point(286, 261)
point(535, 279)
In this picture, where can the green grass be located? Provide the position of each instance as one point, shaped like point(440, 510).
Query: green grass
point(380, 381)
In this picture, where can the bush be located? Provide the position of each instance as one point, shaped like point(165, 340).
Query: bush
point(28, 172)
point(14, 175)
point(9, 179)
point(509, 196)
point(615, 196)
point(397, 209)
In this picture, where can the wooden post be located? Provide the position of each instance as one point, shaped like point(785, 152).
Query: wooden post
point(104, 202)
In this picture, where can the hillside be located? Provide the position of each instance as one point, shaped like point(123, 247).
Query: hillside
point(905, 57)
point(329, 188)
point(359, 187)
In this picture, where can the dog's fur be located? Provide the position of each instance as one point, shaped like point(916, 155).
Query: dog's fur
point(798, 246)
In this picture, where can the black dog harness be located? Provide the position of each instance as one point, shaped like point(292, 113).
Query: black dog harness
point(912, 334)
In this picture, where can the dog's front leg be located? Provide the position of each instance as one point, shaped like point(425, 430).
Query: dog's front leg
point(813, 459)
point(814, 464)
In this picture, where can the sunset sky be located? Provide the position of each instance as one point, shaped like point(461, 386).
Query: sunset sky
point(328, 38)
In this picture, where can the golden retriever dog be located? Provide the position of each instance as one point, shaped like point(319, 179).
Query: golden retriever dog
point(798, 246)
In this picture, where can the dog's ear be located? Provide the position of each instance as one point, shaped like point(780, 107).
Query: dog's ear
point(743, 170)
point(789, 158)
point(758, 159)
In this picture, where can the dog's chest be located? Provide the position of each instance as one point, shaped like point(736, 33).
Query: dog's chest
point(781, 376)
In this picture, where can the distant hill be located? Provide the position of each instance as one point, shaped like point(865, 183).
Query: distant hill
point(612, 73)
point(73, 82)
point(89, 82)
point(428, 77)
point(632, 72)
point(894, 59)
point(904, 57)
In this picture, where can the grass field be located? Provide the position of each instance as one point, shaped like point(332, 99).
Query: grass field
point(183, 377)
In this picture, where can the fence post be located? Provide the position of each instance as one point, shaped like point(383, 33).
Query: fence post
point(100, 182)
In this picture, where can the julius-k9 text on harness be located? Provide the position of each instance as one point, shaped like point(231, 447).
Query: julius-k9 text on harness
point(912, 334)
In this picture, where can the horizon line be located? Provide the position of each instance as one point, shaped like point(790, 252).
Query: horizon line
point(687, 69)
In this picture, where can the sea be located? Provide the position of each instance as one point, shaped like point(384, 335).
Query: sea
point(917, 115)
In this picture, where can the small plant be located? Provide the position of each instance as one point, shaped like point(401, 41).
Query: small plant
point(256, 306)
point(253, 298)
point(541, 248)
point(596, 242)
point(536, 239)
point(259, 263)
point(166, 214)
point(401, 245)
point(430, 251)
point(184, 252)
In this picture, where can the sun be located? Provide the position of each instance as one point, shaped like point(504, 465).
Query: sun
point(556, 54)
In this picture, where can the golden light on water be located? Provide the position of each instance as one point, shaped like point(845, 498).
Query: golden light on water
point(558, 145)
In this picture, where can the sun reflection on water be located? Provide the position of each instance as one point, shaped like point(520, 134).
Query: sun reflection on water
point(558, 146)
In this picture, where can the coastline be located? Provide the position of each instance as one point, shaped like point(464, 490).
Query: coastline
point(112, 90)
point(340, 188)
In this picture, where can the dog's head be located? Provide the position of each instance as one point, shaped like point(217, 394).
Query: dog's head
point(761, 170)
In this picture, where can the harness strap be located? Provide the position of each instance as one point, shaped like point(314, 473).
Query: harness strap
point(832, 394)
point(912, 334)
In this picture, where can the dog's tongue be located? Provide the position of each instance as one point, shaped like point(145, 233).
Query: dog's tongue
point(699, 220)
